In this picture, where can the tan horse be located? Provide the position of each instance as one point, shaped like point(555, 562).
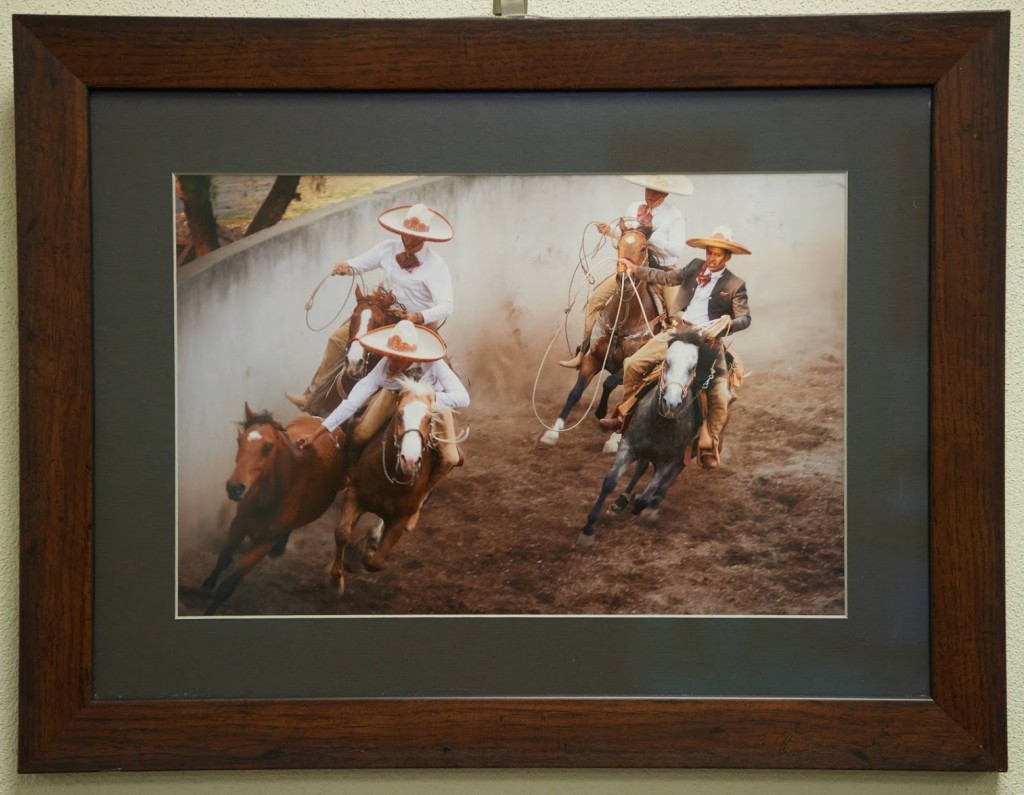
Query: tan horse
point(625, 324)
point(278, 488)
point(390, 478)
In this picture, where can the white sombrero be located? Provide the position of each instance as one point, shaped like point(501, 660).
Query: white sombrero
point(417, 220)
point(405, 340)
point(666, 183)
point(720, 238)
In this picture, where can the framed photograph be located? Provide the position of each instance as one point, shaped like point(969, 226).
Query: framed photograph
point(820, 587)
point(526, 427)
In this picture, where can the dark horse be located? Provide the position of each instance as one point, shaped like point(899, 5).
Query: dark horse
point(665, 423)
point(371, 311)
point(278, 488)
point(625, 324)
point(391, 477)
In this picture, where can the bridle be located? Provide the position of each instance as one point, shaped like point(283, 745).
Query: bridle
point(379, 316)
point(689, 395)
point(396, 479)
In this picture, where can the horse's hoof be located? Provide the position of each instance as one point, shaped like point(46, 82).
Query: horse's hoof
point(620, 502)
point(612, 445)
point(373, 563)
point(336, 582)
point(584, 540)
point(550, 438)
point(650, 516)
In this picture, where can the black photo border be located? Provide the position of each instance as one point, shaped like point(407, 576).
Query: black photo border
point(963, 58)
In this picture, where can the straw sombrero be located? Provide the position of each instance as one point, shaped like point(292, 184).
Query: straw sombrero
point(720, 238)
point(666, 183)
point(406, 340)
point(417, 220)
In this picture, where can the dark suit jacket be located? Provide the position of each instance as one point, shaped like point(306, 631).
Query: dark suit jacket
point(729, 296)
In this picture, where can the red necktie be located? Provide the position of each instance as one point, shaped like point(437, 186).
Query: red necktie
point(703, 277)
point(644, 215)
point(406, 261)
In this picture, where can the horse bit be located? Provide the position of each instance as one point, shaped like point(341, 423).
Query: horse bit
point(396, 479)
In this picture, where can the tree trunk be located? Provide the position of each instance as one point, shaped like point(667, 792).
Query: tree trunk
point(273, 207)
point(195, 193)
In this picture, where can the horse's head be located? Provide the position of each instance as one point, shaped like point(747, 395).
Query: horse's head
point(370, 312)
point(633, 247)
point(260, 439)
point(412, 424)
point(679, 370)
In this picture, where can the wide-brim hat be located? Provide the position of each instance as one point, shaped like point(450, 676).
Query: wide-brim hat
point(405, 340)
point(721, 237)
point(666, 183)
point(417, 220)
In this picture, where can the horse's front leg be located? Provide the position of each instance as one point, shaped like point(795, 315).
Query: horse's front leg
point(588, 370)
point(622, 459)
point(350, 513)
point(226, 588)
point(393, 531)
point(612, 381)
point(658, 487)
point(623, 499)
point(236, 534)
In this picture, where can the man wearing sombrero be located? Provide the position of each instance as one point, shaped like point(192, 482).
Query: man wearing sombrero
point(414, 272)
point(712, 298)
point(402, 345)
point(669, 237)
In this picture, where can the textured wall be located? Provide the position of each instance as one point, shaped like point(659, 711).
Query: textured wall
point(504, 781)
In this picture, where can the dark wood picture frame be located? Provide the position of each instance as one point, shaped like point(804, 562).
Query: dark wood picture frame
point(963, 58)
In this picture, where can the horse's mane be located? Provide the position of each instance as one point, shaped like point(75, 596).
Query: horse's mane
point(261, 418)
point(688, 335)
point(381, 296)
point(417, 388)
point(655, 256)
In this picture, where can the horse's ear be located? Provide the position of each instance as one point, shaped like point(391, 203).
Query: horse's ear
point(249, 413)
point(622, 225)
point(360, 295)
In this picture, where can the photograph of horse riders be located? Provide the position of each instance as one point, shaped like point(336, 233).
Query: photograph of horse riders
point(526, 395)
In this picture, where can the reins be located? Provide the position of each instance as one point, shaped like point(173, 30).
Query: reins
point(583, 266)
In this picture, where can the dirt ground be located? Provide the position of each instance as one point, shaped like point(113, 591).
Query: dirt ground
point(762, 535)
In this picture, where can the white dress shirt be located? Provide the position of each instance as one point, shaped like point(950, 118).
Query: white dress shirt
point(427, 288)
point(669, 229)
point(697, 310)
point(448, 389)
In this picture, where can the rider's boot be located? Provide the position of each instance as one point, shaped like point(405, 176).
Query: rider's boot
point(577, 360)
point(613, 422)
point(300, 401)
point(718, 414)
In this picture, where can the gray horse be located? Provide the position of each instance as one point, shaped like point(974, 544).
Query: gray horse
point(665, 421)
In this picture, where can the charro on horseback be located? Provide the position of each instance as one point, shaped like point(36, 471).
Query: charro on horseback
point(712, 299)
point(414, 274)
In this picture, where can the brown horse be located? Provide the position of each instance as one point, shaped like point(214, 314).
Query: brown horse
point(278, 488)
point(390, 478)
point(625, 324)
point(371, 311)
